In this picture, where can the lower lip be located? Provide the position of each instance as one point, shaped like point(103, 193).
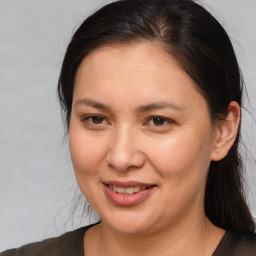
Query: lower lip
point(125, 199)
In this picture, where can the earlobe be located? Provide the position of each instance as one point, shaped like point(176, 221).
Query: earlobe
point(226, 132)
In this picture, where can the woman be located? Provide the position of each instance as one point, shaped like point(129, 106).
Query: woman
point(151, 92)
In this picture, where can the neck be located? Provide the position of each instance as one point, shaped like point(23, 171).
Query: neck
point(199, 236)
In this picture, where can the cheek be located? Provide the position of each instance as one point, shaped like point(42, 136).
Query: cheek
point(85, 153)
point(183, 166)
point(86, 157)
point(180, 155)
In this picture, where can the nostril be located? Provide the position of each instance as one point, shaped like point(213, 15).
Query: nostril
point(124, 160)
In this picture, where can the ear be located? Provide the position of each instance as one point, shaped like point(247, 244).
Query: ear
point(226, 132)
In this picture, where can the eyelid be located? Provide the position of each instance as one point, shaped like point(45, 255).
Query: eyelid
point(166, 119)
point(88, 116)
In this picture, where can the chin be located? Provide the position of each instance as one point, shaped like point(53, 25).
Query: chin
point(130, 228)
point(134, 223)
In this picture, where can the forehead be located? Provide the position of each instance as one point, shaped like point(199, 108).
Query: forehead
point(141, 59)
point(141, 54)
point(137, 72)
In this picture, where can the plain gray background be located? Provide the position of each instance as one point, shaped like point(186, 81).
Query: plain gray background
point(36, 177)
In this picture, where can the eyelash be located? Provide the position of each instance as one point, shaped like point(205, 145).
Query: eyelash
point(165, 120)
point(86, 119)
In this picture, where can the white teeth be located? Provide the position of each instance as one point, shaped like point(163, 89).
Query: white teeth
point(136, 189)
point(115, 188)
point(128, 191)
point(120, 190)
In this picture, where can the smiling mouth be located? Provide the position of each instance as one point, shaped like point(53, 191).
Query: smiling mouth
point(128, 190)
point(128, 193)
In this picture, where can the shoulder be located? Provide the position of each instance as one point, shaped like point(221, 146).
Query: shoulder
point(237, 244)
point(70, 243)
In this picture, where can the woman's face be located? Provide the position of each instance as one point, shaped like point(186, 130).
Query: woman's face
point(141, 139)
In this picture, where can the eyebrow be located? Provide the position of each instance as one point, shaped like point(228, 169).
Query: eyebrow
point(143, 108)
point(160, 105)
point(93, 103)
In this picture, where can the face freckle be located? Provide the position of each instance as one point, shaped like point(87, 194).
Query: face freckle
point(128, 87)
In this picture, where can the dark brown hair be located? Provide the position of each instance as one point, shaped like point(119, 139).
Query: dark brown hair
point(190, 34)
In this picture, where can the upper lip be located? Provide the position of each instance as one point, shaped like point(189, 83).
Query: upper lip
point(128, 184)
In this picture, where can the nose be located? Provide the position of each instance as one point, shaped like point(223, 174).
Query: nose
point(124, 152)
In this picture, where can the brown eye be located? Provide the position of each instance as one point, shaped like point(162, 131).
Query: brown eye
point(97, 119)
point(158, 121)
point(95, 122)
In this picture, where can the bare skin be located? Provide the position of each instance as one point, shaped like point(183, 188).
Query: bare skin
point(138, 118)
point(98, 242)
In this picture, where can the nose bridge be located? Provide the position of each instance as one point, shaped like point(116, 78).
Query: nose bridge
point(123, 151)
